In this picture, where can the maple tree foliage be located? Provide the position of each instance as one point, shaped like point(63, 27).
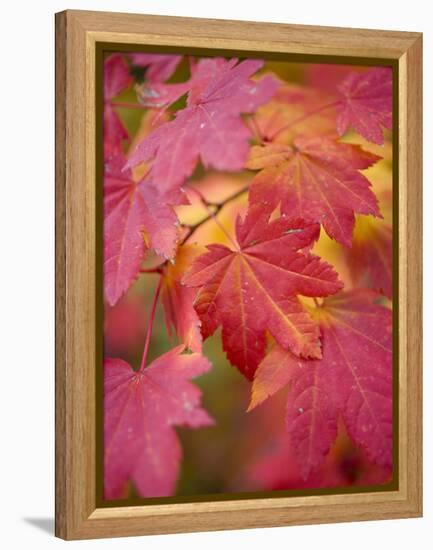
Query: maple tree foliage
point(342, 382)
point(136, 217)
point(316, 179)
point(178, 299)
point(299, 160)
point(116, 79)
point(210, 126)
point(366, 103)
point(141, 410)
point(254, 288)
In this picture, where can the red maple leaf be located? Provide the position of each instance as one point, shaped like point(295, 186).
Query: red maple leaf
point(177, 299)
point(353, 379)
point(136, 217)
point(366, 104)
point(317, 179)
point(140, 410)
point(210, 127)
point(116, 79)
point(160, 67)
point(253, 288)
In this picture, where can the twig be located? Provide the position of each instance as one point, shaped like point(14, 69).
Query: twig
point(191, 229)
point(213, 215)
point(156, 269)
point(150, 326)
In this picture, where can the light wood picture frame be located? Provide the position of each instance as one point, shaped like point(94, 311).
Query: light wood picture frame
point(80, 35)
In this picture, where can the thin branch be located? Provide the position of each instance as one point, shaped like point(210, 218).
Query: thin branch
point(150, 326)
point(191, 229)
point(213, 214)
point(218, 206)
point(156, 269)
point(200, 195)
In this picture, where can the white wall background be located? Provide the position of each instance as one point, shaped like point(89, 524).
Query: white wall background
point(27, 270)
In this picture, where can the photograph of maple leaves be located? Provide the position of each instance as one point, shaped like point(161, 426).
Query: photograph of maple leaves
point(247, 276)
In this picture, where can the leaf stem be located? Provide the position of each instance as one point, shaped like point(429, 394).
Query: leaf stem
point(150, 326)
point(302, 118)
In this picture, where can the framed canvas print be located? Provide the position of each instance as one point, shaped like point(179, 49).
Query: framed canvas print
point(238, 327)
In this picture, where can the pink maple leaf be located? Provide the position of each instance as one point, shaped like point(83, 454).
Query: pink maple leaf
point(116, 79)
point(353, 379)
point(136, 217)
point(140, 410)
point(366, 103)
point(210, 127)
